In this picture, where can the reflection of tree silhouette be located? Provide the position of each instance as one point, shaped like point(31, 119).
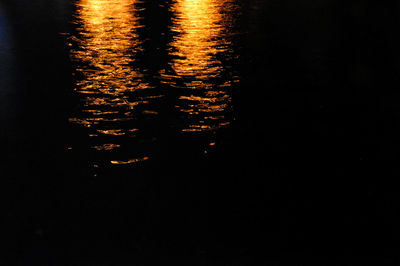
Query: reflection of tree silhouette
point(156, 35)
point(156, 20)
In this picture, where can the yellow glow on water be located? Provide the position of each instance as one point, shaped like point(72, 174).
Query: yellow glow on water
point(106, 147)
point(130, 161)
point(117, 103)
point(107, 39)
point(200, 24)
point(202, 28)
point(103, 51)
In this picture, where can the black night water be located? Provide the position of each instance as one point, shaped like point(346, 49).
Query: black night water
point(198, 132)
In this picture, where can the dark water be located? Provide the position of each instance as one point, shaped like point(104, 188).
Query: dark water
point(199, 132)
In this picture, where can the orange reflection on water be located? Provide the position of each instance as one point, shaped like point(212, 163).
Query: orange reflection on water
point(131, 161)
point(107, 40)
point(201, 41)
point(108, 85)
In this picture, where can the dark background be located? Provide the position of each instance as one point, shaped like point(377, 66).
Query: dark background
point(306, 174)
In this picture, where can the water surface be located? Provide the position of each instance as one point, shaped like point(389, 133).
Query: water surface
point(204, 129)
point(123, 107)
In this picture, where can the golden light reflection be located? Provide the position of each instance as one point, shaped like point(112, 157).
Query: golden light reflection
point(108, 85)
point(136, 160)
point(107, 38)
point(202, 39)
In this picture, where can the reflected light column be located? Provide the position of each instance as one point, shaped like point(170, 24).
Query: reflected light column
point(201, 40)
point(103, 51)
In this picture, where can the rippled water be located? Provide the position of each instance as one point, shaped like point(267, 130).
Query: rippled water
point(201, 131)
point(114, 95)
point(200, 49)
point(123, 107)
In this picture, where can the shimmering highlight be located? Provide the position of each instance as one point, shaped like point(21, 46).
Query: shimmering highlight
point(202, 38)
point(110, 88)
